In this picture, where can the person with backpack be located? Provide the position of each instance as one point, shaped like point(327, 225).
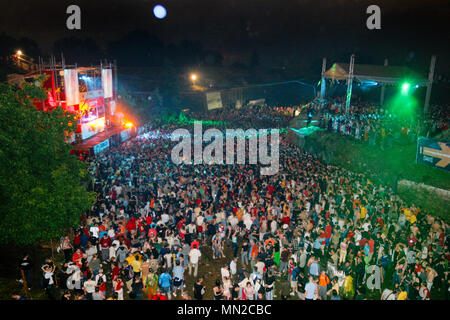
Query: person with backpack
point(294, 279)
point(121, 254)
point(165, 283)
point(178, 278)
point(128, 275)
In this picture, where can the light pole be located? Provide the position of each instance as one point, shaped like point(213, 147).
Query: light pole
point(19, 57)
point(193, 78)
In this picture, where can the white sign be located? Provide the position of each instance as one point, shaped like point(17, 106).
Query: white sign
point(213, 100)
point(92, 128)
point(112, 107)
point(101, 146)
point(71, 87)
point(125, 135)
point(107, 83)
point(256, 102)
point(93, 94)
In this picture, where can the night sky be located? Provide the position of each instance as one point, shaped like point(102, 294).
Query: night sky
point(279, 29)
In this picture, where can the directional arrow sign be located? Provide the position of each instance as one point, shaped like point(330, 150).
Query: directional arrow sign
point(443, 154)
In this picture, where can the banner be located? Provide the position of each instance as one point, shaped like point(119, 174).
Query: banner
point(93, 94)
point(102, 146)
point(213, 100)
point(125, 135)
point(257, 102)
point(71, 87)
point(433, 153)
point(112, 107)
point(107, 83)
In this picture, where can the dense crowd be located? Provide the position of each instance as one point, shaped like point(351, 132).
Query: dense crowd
point(367, 122)
point(311, 231)
point(257, 116)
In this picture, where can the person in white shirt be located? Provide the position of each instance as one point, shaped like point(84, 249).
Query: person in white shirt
point(273, 226)
point(89, 288)
point(91, 250)
point(112, 250)
point(111, 233)
point(194, 256)
point(165, 218)
point(100, 275)
point(94, 230)
point(233, 266)
point(233, 220)
point(260, 266)
point(225, 272)
point(191, 228)
point(247, 220)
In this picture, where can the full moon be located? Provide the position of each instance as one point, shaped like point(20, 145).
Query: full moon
point(159, 11)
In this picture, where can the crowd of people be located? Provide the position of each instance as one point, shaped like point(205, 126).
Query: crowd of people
point(250, 116)
point(311, 231)
point(368, 123)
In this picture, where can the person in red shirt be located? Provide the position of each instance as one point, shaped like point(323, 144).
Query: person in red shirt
point(159, 296)
point(152, 233)
point(195, 244)
point(77, 240)
point(76, 258)
point(102, 286)
point(380, 221)
point(411, 240)
point(286, 220)
point(328, 232)
point(118, 285)
point(105, 243)
point(101, 229)
point(131, 225)
point(350, 234)
point(115, 270)
point(180, 224)
point(253, 211)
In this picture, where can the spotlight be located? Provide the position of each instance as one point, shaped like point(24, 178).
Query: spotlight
point(405, 87)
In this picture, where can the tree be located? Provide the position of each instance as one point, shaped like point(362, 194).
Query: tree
point(41, 188)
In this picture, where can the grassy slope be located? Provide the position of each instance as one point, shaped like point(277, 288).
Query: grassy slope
point(387, 166)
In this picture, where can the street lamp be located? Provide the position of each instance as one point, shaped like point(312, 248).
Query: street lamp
point(19, 52)
point(193, 78)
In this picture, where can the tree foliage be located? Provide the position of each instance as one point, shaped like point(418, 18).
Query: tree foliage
point(41, 184)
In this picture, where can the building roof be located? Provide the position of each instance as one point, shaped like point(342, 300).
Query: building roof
point(378, 73)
